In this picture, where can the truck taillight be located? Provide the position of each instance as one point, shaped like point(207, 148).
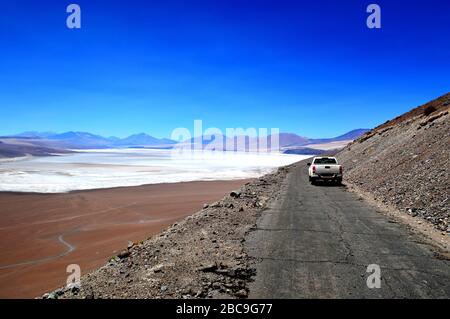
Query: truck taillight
point(314, 169)
point(340, 169)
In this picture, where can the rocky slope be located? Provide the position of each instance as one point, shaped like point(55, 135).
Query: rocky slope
point(405, 162)
point(201, 256)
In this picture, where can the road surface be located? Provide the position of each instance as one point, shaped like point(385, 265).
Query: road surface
point(317, 242)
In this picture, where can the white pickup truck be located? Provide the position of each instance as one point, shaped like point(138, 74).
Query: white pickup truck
point(325, 169)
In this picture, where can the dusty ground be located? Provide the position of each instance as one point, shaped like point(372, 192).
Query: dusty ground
point(201, 256)
point(40, 234)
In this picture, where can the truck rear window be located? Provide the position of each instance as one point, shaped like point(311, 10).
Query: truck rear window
point(325, 161)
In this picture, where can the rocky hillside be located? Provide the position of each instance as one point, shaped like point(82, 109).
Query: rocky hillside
point(405, 162)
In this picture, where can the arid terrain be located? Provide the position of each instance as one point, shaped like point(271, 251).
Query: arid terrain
point(40, 234)
point(278, 236)
point(405, 163)
point(200, 256)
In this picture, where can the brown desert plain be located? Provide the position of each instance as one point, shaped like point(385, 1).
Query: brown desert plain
point(41, 234)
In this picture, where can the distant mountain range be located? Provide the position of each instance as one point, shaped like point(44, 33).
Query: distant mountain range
point(352, 135)
point(143, 139)
point(288, 142)
point(88, 140)
point(46, 142)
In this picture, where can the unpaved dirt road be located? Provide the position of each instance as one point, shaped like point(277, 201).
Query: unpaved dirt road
point(317, 242)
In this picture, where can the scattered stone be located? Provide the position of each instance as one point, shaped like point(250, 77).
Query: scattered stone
point(241, 293)
point(235, 194)
point(124, 254)
point(208, 268)
point(50, 295)
point(412, 212)
point(59, 292)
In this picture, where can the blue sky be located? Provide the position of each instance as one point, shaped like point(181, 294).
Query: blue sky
point(308, 67)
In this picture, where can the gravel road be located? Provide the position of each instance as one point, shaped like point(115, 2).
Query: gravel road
point(317, 242)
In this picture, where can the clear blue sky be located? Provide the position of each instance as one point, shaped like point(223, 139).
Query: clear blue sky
point(308, 67)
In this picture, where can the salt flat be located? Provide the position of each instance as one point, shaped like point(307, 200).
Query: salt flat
point(106, 168)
